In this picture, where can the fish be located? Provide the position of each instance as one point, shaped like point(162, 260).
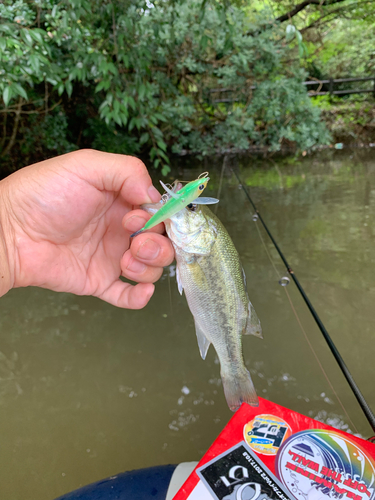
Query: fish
point(176, 201)
point(209, 271)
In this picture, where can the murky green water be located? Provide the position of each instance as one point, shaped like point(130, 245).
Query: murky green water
point(87, 390)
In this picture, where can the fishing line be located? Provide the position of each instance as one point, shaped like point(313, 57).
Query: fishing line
point(266, 250)
point(359, 396)
point(170, 290)
point(354, 427)
point(303, 330)
point(220, 183)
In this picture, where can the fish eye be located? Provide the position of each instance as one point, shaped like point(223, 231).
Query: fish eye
point(192, 207)
point(201, 187)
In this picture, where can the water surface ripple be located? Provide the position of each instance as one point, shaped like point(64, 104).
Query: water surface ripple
point(88, 390)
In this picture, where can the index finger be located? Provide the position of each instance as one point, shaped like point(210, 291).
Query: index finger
point(114, 172)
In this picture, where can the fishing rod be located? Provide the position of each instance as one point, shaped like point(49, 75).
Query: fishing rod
point(360, 398)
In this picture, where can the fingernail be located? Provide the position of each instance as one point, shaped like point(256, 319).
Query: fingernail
point(148, 250)
point(153, 194)
point(136, 267)
point(134, 223)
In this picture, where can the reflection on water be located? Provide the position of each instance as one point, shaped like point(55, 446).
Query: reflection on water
point(87, 390)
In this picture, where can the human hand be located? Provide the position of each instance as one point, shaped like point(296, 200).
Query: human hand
point(66, 225)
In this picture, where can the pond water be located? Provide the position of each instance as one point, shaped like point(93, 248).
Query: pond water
point(88, 390)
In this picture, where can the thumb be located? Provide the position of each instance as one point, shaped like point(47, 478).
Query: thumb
point(114, 172)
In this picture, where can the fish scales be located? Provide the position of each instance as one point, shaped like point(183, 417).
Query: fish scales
point(210, 273)
point(216, 301)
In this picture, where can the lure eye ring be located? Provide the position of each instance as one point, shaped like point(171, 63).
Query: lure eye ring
point(201, 187)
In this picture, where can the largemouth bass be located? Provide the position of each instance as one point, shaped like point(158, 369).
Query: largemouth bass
point(209, 271)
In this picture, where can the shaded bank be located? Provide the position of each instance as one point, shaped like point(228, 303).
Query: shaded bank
point(139, 78)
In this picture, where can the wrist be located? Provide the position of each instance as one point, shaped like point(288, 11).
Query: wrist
point(5, 268)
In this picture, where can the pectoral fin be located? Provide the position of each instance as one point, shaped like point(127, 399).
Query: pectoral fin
point(203, 342)
point(179, 284)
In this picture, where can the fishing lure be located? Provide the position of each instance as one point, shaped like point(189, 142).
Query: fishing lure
point(179, 200)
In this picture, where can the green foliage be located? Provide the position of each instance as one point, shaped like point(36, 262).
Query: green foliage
point(110, 138)
point(51, 131)
point(340, 58)
point(350, 120)
point(141, 76)
point(292, 33)
point(337, 35)
point(337, 38)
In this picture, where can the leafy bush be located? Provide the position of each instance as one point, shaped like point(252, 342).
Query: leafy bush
point(142, 76)
point(350, 120)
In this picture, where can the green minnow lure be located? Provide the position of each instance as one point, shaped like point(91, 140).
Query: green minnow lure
point(179, 200)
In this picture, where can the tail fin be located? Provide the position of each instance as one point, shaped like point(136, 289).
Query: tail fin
point(239, 389)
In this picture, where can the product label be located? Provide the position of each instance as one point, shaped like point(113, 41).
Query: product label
point(238, 474)
point(265, 434)
point(316, 464)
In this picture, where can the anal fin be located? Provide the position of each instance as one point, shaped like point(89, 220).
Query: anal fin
point(253, 324)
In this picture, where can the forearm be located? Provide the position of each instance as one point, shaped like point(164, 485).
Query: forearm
point(5, 271)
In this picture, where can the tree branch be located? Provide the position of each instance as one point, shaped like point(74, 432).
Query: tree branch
point(303, 5)
point(15, 128)
point(4, 132)
point(334, 14)
point(32, 112)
